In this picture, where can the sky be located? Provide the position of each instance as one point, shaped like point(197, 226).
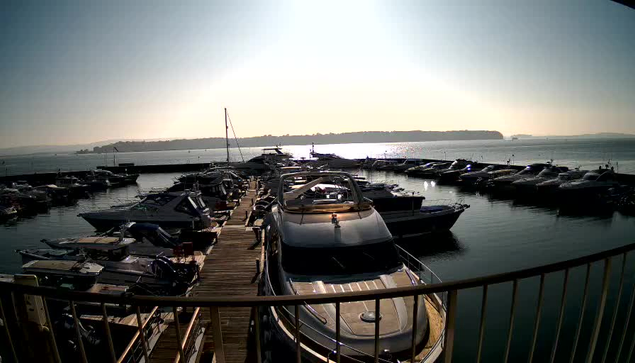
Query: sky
point(80, 71)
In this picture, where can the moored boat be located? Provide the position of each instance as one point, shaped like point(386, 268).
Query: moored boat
point(324, 242)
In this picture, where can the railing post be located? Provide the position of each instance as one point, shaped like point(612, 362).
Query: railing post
point(415, 313)
point(338, 348)
point(541, 293)
point(298, 346)
point(377, 320)
point(617, 308)
point(600, 313)
point(481, 330)
point(563, 303)
point(626, 324)
point(449, 327)
point(217, 334)
point(78, 333)
point(56, 352)
point(7, 332)
point(142, 335)
point(257, 333)
point(111, 347)
point(581, 319)
point(511, 319)
point(177, 326)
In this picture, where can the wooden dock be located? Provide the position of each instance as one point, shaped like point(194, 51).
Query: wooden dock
point(230, 269)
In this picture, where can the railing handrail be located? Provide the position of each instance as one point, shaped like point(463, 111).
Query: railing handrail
point(251, 301)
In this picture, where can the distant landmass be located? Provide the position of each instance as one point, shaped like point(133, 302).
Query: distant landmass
point(269, 140)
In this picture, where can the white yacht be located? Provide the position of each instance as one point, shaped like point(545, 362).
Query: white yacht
point(328, 240)
point(168, 210)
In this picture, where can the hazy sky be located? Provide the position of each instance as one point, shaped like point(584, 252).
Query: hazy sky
point(83, 71)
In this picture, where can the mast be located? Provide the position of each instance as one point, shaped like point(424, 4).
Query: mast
point(227, 136)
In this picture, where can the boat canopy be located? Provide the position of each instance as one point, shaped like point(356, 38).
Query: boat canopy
point(322, 192)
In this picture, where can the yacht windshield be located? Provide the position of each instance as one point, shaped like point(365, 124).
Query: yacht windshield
point(340, 260)
point(590, 176)
point(336, 190)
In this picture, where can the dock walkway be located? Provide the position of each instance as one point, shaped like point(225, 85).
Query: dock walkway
point(230, 269)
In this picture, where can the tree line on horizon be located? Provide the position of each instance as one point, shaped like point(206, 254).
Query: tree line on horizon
point(269, 140)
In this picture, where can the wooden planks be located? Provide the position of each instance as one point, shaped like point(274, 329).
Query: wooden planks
point(230, 270)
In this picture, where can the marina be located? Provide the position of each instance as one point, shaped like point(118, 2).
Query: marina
point(232, 268)
point(325, 182)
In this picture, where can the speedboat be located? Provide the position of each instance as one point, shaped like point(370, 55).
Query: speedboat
point(168, 210)
point(267, 161)
point(407, 217)
point(404, 214)
point(529, 171)
point(407, 164)
point(551, 186)
point(7, 212)
point(76, 188)
point(452, 174)
point(428, 170)
point(322, 241)
point(589, 188)
point(528, 185)
point(142, 239)
point(488, 172)
point(158, 275)
point(334, 161)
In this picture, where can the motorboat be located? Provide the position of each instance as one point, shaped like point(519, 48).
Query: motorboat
point(407, 217)
point(332, 240)
point(407, 164)
point(58, 195)
point(589, 188)
point(97, 180)
point(334, 161)
point(156, 275)
point(485, 173)
point(452, 173)
point(528, 185)
point(267, 161)
point(76, 188)
point(551, 186)
point(72, 275)
point(168, 210)
point(7, 212)
point(428, 170)
point(528, 172)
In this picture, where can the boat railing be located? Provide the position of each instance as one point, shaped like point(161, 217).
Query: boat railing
point(616, 345)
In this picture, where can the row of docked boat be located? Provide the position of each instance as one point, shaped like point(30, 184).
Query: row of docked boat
point(23, 199)
point(543, 181)
point(155, 246)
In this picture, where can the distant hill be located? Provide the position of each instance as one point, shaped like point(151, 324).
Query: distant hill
point(268, 140)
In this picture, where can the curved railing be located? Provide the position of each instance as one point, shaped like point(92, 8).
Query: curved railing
point(449, 289)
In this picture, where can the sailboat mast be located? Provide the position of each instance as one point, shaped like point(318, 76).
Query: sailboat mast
point(227, 136)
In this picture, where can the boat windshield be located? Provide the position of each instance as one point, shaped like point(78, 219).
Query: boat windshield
point(591, 176)
point(157, 199)
point(372, 258)
point(328, 192)
point(546, 173)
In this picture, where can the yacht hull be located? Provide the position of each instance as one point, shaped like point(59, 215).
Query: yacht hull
point(404, 224)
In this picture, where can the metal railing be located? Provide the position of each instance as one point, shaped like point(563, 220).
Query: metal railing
point(623, 345)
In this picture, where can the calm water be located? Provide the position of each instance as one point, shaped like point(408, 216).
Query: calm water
point(492, 236)
point(585, 153)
